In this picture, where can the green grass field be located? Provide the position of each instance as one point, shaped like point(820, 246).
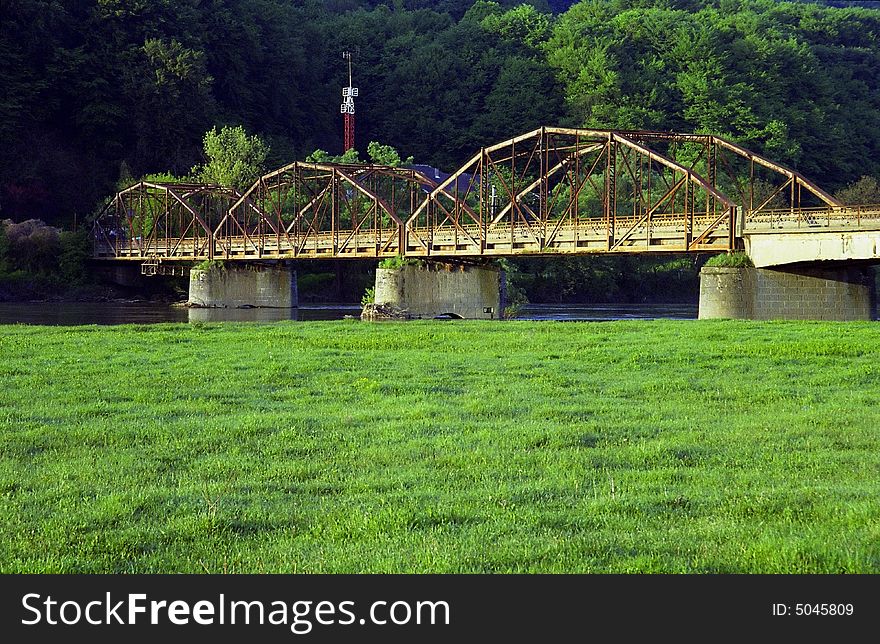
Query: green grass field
point(666, 446)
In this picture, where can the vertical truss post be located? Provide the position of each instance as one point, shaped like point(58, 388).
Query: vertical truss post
point(575, 189)
point(543, 144)
point(610, 190)
point(403, 234)
point(751, 184)
point(486, 213)
point(645, 205)
point(166, 215)
point(514, 208)
point(140, 210)
point(209, 235)
point(711, 163)
point(334, 211)
point(429, 222)
point(731, 228)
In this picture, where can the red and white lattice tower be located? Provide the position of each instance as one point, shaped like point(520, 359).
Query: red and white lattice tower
point(347, 107)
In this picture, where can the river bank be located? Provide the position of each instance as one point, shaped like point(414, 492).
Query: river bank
point(23, 288)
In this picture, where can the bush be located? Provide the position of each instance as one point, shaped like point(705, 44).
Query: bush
point(74, 257)
point(399, 262)
point(32, 246)
point(730, 260)
point(516, 294)
point(864, 191)
point(314, 284)
point(4, 249)
point(210, 264)
point(369, 297)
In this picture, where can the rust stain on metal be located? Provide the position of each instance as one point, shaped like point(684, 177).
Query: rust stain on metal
point(548, 191)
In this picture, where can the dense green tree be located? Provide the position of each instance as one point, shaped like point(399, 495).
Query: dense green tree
point(234, 158)
point(94, 91)
point(386, 155)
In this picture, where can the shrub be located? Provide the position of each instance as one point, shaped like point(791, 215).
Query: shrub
point(74, 257)
point(33, 246)
point(4, 249)
point(399, 262)
point(730, 260)
point(864, 191)
point(210, 264)
point(516, 294)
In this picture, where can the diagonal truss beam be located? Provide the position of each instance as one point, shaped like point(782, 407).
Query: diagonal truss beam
point(575, 189)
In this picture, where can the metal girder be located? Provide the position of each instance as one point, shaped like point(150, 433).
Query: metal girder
point(551, 190)
point(161, 220)
point(323, 210)
point(566, 190)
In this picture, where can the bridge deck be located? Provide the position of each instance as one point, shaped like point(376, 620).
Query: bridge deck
point(588, 236)
point(549, 191)
point(585, 237)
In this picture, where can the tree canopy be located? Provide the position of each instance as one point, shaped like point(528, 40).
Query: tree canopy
point(96, 91)
point(234, 159)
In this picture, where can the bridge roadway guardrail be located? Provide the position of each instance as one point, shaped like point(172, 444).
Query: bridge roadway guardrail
point(803, 219)
point(588, 235)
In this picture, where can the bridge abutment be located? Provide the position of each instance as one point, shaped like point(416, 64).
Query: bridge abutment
point(430, 289)
point(803, 293)
point(243, 286)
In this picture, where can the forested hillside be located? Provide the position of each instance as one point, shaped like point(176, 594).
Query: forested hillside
point(95, 90)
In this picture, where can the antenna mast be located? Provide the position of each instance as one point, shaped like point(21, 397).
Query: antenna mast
point(347, 107)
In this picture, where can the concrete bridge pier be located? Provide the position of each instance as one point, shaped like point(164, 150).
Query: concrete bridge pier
point(836, 292)
point(243, 285)
point(429, 289)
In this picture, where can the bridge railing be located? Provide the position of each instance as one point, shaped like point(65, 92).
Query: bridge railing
point(813, 218)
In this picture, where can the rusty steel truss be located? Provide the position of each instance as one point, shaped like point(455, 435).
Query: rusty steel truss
point(552, 190)
point(162, 221)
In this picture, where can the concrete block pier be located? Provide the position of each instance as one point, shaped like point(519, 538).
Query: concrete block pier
point(240, 285)
point(431, 289)
point(837, 292)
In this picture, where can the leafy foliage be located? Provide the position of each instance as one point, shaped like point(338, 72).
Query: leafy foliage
point(385, 155)
point(4, 249)
point(516, 297)
point(32, 246)
point(234, 159)
point(351, 156)
point(730, 260)
point(210, 265)
point(75, 251)
point(392, 263)
point(865, 191)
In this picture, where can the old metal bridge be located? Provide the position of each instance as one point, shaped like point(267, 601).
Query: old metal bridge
point(552, 190)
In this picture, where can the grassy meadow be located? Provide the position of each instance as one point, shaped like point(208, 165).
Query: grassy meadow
point(664, 446)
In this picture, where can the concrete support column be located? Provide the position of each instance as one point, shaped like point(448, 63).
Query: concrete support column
point(432, 289)
point(243, 285)
point(803, 293)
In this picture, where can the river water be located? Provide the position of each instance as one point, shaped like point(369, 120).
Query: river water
point(105, 313)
